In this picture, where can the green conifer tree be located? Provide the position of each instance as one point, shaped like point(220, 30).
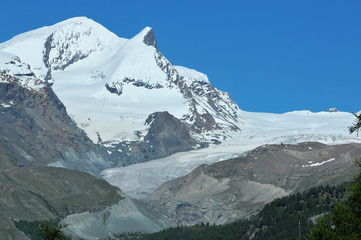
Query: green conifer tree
point(48, 232)
point(357, 124)
point(346, 222)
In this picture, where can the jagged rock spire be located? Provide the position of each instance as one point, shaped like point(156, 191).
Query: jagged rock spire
point(149, 38)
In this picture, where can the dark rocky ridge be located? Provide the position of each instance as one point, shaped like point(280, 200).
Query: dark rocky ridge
point(116, 88)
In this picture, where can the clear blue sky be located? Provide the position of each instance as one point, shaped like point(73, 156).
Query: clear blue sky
point(271, 56)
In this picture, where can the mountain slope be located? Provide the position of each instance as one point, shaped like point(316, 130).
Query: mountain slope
point(46, 193)
point(91, 206)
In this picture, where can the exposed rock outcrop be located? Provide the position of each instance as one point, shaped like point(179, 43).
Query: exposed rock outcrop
point(149, 39)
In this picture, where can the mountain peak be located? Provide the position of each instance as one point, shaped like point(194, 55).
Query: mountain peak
point(58, 46)
point(147, 36)
point(73, 20)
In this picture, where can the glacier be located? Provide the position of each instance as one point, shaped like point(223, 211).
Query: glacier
point(258, 129)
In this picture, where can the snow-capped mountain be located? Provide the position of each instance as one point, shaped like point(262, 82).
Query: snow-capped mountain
point(111, 86)
point(129, 98)
point(77, 96)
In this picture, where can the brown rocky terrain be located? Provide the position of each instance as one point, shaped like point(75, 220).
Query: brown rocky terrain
point(236, 188)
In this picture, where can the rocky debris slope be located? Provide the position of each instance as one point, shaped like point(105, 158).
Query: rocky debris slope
point(231, 189)
point(124, 217)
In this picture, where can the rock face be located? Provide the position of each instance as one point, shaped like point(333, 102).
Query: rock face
point(149, 39)
point(166, 135)
point(231, 189)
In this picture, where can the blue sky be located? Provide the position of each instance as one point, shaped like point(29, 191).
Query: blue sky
point(271, 56)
